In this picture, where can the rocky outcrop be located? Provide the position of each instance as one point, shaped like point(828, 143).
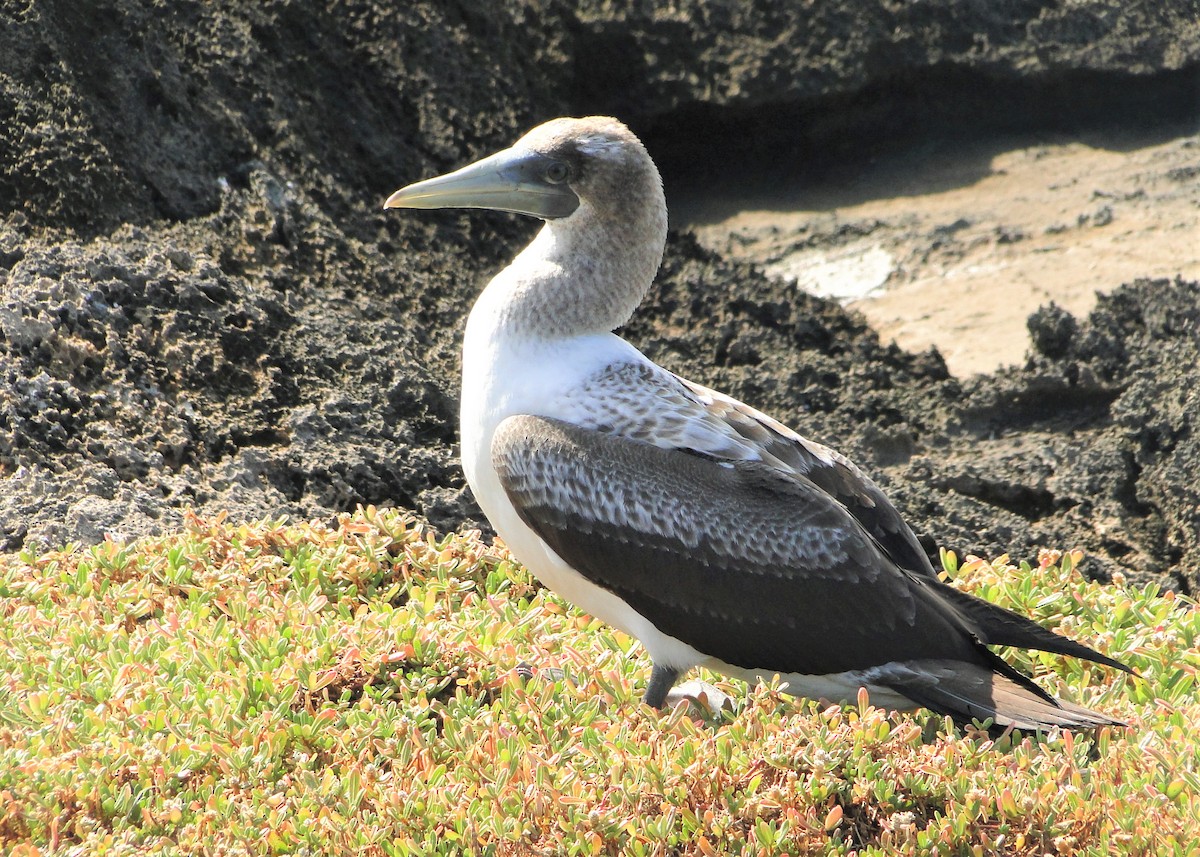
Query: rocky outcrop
point(201, 304)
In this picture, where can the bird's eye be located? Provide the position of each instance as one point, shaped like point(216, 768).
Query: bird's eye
point(557, 172)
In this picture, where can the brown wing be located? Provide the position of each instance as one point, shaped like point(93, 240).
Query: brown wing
point(747, 564)
point(829, 470)
point(837, 475)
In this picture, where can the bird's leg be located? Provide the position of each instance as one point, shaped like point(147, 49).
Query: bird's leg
point(662, 679)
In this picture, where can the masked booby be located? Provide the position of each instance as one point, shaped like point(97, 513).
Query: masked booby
point(712, 533)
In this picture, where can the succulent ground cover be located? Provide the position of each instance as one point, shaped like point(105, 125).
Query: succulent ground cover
point(365, 686)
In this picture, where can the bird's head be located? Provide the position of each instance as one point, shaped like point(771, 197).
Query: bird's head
point(551, 172)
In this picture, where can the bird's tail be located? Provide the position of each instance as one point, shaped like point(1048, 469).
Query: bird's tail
point(997, 626)
point(970, 691)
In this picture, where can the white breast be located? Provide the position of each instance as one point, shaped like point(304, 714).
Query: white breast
point(503, 376)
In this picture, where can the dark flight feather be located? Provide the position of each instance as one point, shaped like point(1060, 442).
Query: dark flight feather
point(763, 570)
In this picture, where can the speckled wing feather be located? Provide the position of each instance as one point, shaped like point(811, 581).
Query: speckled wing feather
point(750, 565)
point(826, 468)
point(844, 482)
point(646, 404)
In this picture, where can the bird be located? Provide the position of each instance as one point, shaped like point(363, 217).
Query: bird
point(709, 531)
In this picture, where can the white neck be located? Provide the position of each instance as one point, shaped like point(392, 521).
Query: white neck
point(582, 274)
point(544, 323)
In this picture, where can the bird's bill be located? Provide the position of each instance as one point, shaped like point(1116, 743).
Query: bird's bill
point(512, 180)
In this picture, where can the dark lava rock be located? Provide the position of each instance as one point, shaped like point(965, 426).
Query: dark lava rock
point(1051, 329)
point(648, 59)
point(202, 306)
